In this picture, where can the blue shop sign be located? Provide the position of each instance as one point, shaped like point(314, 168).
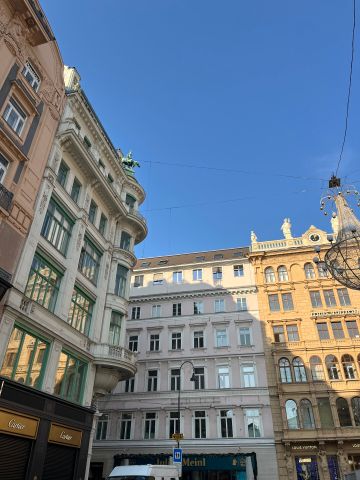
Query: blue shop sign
point(197, 462)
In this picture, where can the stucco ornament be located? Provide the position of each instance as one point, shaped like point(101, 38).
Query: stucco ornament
point(286, 228)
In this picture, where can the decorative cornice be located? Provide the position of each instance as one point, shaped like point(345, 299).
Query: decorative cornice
point(192, 294)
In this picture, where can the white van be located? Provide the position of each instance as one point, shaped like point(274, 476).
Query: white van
point(145, 472)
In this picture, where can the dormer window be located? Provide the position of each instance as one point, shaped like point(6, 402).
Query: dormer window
point(31, 76)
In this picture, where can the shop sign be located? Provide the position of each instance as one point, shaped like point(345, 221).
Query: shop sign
point(198, 462)
point(304, 460)
point(303, 447)
point(332, 313)
point(355, 445)
point(64, 435)
point(20, 425)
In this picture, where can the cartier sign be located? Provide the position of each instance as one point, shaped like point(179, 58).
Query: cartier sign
point(64, 435)
point(20, 425)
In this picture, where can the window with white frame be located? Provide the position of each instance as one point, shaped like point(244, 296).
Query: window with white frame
point(174, 424)
point(221, 337)
point(223, 374)
point(219, 305)
point(178, 277)
point(175, 379)
point(158, 279)
point(197, 274)
point(130, 385)
point(217, 274)
point(248, 375)
point(199, 339)
point(287, 301)
point(330, 298)
point(150, 425)
point(115, 328)
point(176, 341)
point(31, 76)
point(102, 426)
point(125, 426)
point(14, 116)
point(3, 167)
point(253, 423)
point(135, 313)
point(139, 281)
point(245, 336)
point(154, 342)
point(226, 423)
point(156, 311)
point(198, 307)
point(152, 381)
point(199, 373)
point(238, 270)
point(176, 309)
point(199, 424)
point(133, 343)
point(241, 305)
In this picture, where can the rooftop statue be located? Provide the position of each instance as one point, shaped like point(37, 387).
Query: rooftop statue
point(286, 228)
point(253, 236)
point(129, 162)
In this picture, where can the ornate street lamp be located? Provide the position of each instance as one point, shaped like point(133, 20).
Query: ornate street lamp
point(178, 435)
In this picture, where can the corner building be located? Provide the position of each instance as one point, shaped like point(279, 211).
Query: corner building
point(195, 313)
point(311, 330)
point(63, 331)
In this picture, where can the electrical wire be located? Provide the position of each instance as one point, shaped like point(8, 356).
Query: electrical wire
point(349, 88)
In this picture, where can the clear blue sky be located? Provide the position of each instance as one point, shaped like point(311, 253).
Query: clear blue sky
point(252, 85)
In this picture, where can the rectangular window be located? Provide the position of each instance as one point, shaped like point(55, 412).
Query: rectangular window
point(292, 333)
point(238, 270)
point(154, 342)
point(92, 212)
point(133, 343)
point(135, 313)
point(63, 173)
point(110, 179)
point(115, 328)
point(198, 308)
point(177, 277)
point(102, 425)
point(130, 201)
point(152, 382)
point(287, 301)
point(329, 298)
point(158, 279)
point(101, 166)
point(226, 425)
point(176, 341)
point(315, 298)
point(323, 331)
point(217, 274)
point(175, 379)
point(174, 424)
point(221, 337)
point(150, 424)
point(139, 281)
point(223, 375)
point(343, 295)
point(219, 305)
point(43, 283)
point(241, 305)
point(80, 312)
point(176, 309)
point(121, 280)
point(199, 339)
point(253, 423)
point(326, 418)
point(199, 424)
point(197, 274)
point(353, 329)
point(248, 375)
point(245, 336)
point(337, 329)
point(199, 373)
point(3, 167)
point(14, 116)
point(279, 334)
point(89, 262)
point(125, 241)
point(125, 426)
point(75, 190)
point(156, 311)
point(25, 358)
point(70, 377)
point(274, 304)
point(102, 224)
point(57, 227)
point(87, 142)
point(31, 76)
point(130, 385)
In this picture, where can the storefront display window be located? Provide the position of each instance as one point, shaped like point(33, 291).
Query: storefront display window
point(306, 468)
point(333, 467)
point(70, 378)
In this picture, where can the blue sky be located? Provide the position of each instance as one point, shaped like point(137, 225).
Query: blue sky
point(240, 91)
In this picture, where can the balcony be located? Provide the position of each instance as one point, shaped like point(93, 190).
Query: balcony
point(5, 198)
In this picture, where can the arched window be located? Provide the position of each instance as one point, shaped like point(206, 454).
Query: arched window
point(309, 270)
point(292, 415)
point(355, 405)
point(306, 412)
point(316, 366)
point(349, 367)
point(269, 275)
point(343, 412)
point(285, 370)
point(322, 270)
point(299, 370)
point(332, 367)
point(283, 274)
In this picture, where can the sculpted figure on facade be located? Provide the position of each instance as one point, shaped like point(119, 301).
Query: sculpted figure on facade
point(253, 236)
point(286, 228)
point(335, 223)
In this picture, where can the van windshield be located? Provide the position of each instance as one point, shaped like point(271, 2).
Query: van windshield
point(131, 477)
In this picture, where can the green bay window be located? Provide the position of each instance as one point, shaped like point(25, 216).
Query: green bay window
point(57, 227)
point(70, 377)
point(43, 283)
point(115, 328)
point(25, 358)
point(80, 311)
point(89, 263)
point(121, 280)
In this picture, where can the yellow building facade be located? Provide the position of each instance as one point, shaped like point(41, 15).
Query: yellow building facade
point(311, 328)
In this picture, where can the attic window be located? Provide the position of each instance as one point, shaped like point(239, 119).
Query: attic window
point(200, 259)
point(238, 254)
point(218, 256)
point(145, 264)
point(162, 262)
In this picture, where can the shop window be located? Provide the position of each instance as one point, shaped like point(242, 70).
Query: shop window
point(89, 262)
point(292, 414)
point(70, 377)
point(355, 406)
point(343, 412)
point(174, 424)
point(269, 275)
point(121, 280)
point(57, 227)
point(115, 328)
point(25, 358)
point(102, 426)
point(333, 467)
point(309, 271)
point(285, 370)
point(317, 370)
point(332, 367)
point(226, 423)
point(306, 468)
point(199, 424)
point(80, 312)
point(326, 418)
point(283, 274)
point(349, 367)
point(299, 370)
point(307, 415)
point(125, 426)
point(150, 425)
point(253, 423)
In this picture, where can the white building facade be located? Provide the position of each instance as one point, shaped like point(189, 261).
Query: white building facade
point(194, 323)
point(63, 328)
